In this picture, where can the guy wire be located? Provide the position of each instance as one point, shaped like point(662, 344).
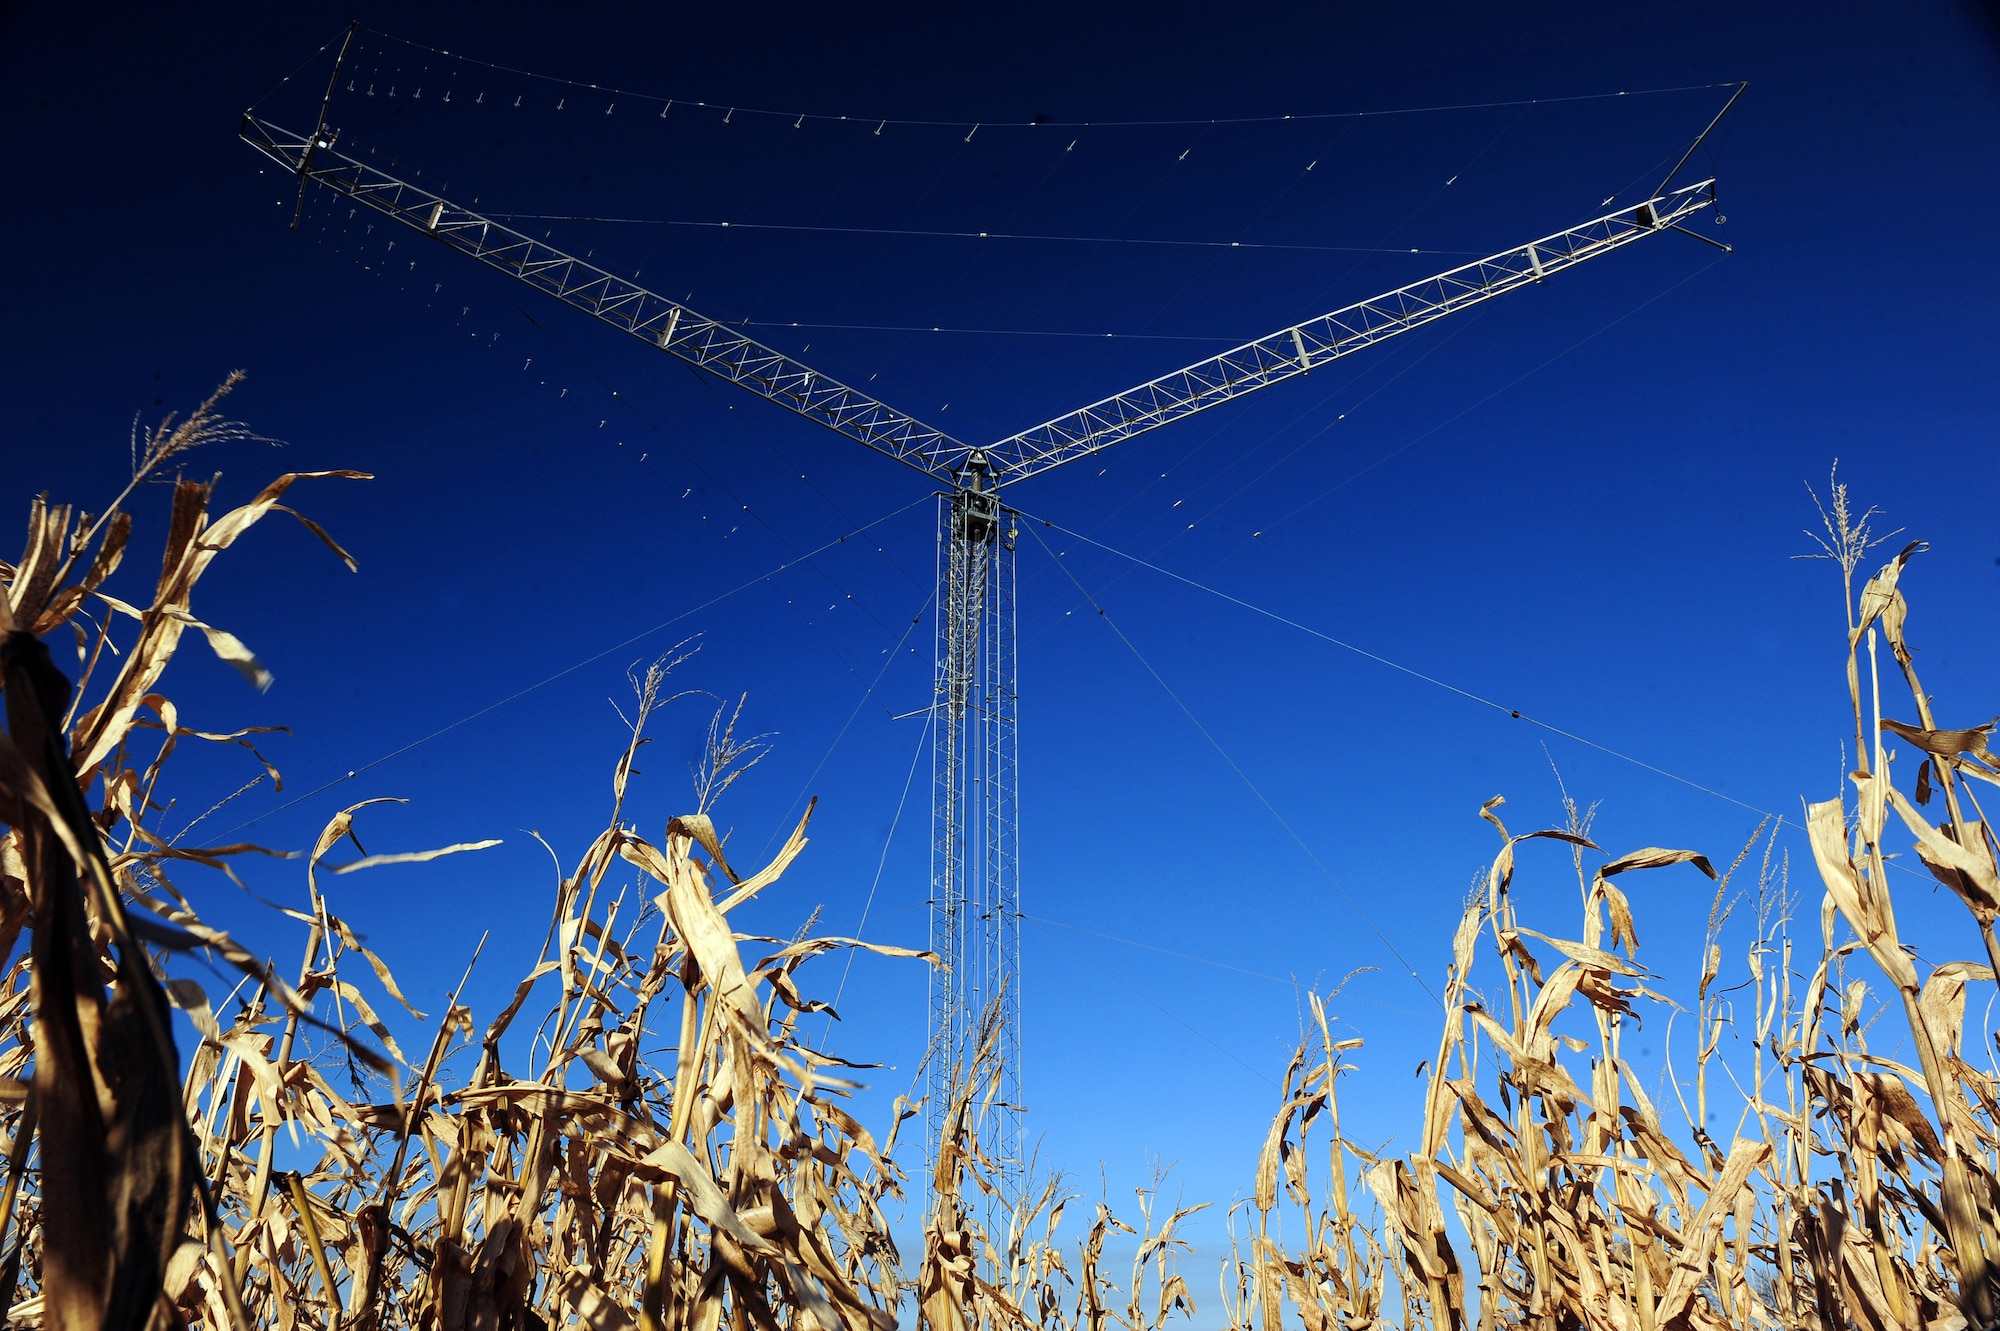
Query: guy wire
point(1234, 766)
point(574, 667)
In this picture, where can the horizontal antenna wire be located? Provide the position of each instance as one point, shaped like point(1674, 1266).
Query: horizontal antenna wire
point(873, 122)
point(986, 332)
point(1234, 766)
point(573, 668)
point(981, 235)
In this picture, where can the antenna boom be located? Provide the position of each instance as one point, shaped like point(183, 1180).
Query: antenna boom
point(646, 315)
point(1307, 346)
point(975, 903)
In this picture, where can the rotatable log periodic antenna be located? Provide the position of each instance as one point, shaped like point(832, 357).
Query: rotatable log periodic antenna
point(975, 897)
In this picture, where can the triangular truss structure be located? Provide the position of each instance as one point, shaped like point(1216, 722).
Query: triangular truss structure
point(975, 872)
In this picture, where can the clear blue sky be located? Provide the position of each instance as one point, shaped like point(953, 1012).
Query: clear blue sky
point(1579, 503)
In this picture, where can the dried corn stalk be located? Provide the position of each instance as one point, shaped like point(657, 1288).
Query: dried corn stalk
point(593, 1182)
point(507, 1179)
point(1858, 1192)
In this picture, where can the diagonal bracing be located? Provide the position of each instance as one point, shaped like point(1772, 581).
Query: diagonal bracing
point(667, 324)
point(1306, 346)
point(975, 874)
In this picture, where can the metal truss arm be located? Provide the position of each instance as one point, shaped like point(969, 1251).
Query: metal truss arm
point(1306, 346)
point(666, 324)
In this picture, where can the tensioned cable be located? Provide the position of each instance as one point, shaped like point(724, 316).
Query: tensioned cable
point(1160, 1008)
point(1290, 982)
point(289, 77)
point(1237, 768)
point(1411, 671)
point(865, 275)
point(985, 235)
point(1414, 440)
point(573, 668)
point(1435, 346)
point(989, 332)
point(1042, 122)
point(744, 424)
point(868, 906)
point(1220, 425)
point(686, 456)
point(1463, 325)
point(1163, 951)
point(1137, 200)
point(1781, 820)
point(585, 368)
point(888, 660)
point(1511, 383)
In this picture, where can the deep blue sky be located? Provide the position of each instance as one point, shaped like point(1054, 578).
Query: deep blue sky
point(1580, 502)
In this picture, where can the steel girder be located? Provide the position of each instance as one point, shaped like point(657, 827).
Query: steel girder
point(722, 351)
point(1303, 347)
point(627, 306)
point(975, 922)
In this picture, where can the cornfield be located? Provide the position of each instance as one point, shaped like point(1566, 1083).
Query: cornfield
point(587, 1183)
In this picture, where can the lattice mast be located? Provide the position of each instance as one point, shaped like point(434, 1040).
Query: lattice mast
point(975, 822)
point(975, 869)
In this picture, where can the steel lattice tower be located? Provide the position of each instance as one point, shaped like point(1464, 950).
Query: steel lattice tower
point(975, 824)
point(975, 861)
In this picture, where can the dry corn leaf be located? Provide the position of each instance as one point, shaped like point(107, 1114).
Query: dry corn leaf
point(1654, 857)
point(1880, 595)
point(1827, 832)
point(1947, 743)
point(411, 856)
